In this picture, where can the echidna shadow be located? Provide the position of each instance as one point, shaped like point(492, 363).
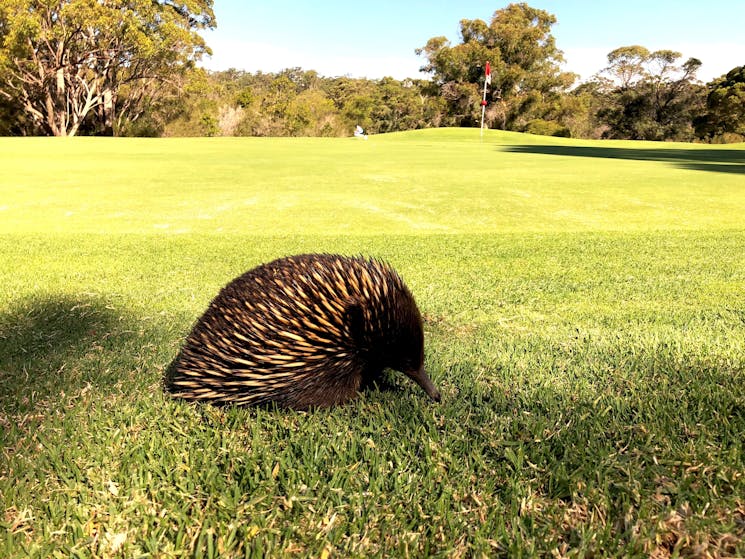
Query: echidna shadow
point(302, 332)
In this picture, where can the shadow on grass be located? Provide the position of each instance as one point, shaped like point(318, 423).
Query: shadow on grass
point(713, 160)
point(43, 341)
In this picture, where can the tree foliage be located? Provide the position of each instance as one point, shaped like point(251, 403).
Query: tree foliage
point(295, 102)
point(725, 108)
point(648, 96)
point(73, 64)
point(525, 66)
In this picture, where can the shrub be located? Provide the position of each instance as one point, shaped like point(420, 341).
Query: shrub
point(547, 128)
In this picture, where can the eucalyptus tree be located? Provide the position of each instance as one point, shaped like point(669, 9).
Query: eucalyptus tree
point(525, 66)
point(649, 95)
point(724, 119)
point(94, 63)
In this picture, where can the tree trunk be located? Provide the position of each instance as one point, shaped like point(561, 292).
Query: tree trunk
point(60, 82)
point(51, 117)
point(108, 107)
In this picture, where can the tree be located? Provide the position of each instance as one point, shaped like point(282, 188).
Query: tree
point(647, 96)
point(627, 65)
point(312, 113)
point(525, 66)
point(76, 63)
point(724, 119)
point(579, 110)
point(389, 105)
point(179, 109)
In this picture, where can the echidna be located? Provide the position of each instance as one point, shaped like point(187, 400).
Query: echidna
point(302, 331)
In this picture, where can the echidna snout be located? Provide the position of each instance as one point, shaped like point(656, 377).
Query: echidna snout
point(302, 331)
point(422, 379)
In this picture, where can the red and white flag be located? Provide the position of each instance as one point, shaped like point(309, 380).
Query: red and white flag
point(487, 81)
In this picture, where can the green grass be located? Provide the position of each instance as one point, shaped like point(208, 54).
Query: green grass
point(584, 311)
point(416, 182)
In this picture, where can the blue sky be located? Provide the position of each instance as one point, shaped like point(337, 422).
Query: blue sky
point(376, 39)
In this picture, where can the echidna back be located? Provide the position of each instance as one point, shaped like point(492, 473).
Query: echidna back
point(300, 331)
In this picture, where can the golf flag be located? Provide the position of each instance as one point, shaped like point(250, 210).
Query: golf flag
point(487, 81)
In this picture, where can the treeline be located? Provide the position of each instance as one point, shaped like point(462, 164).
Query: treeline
point(293, 102)
point(664, 104)
point(65, 69)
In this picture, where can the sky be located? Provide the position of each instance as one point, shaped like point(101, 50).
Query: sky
point(373, 39)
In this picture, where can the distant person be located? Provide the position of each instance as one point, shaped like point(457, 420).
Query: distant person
point(359, 132)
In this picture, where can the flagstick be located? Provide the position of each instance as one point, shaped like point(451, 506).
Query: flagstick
point(487, 81)
point(483, 110)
